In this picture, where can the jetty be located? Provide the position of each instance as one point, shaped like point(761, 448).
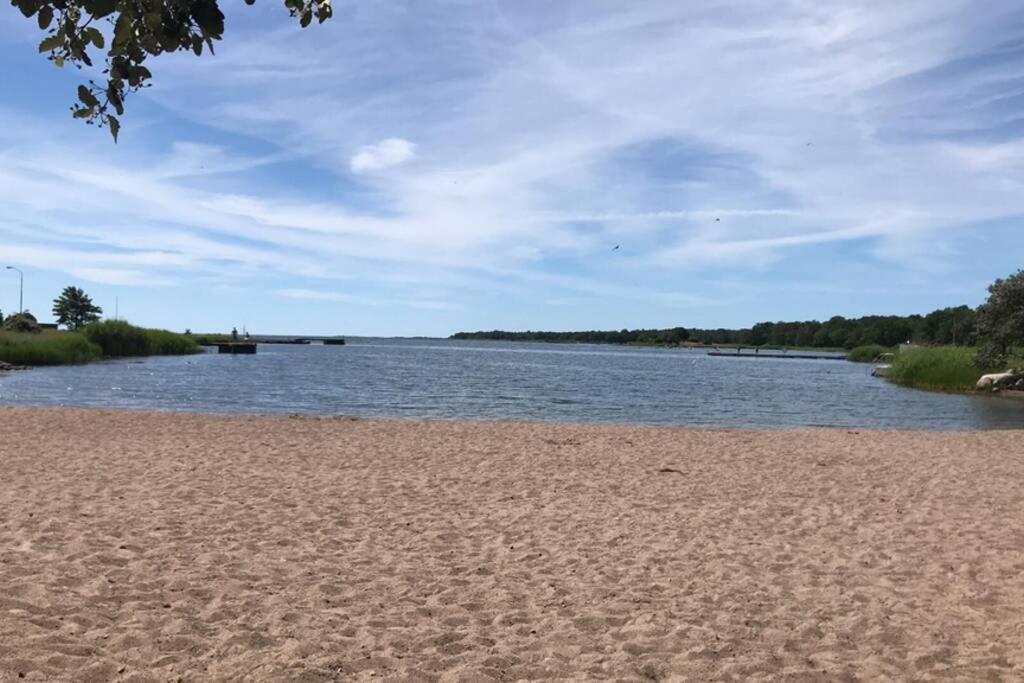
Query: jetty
point(794, 356)
point(248, 347)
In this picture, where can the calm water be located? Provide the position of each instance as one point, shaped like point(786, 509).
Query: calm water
point(511, 381)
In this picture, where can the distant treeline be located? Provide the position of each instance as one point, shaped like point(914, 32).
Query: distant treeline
point(945, 326)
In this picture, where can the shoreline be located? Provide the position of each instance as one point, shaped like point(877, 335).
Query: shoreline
point(153, 546)
point(489, 422)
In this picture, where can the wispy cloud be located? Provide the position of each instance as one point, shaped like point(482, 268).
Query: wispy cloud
point(384, 154)
point(341, 297)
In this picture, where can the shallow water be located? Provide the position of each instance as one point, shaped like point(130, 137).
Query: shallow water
point(512, 381)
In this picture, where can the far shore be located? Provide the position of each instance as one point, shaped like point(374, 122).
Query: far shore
point(147, 546)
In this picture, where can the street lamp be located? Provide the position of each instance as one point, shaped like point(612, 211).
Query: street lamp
point(21, 288)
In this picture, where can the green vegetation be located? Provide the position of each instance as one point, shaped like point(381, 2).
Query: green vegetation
point(137, 32)
point(673, 336)
point(47, 348)
point(941, 368)
point(945, 326)
point(867, 354)
point(119, 339)
point(21, 322)
point(1001, 321)
point(109, 339)
point(22, 342)
point(74, 309)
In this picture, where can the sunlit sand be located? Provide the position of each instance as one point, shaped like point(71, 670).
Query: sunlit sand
point(139, 546)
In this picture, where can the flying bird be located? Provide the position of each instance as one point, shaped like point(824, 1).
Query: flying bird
point(615, 248)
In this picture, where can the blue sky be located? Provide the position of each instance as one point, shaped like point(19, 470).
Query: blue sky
point(418, 168)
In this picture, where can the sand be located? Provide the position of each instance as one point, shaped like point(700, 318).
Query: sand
point(165, 547)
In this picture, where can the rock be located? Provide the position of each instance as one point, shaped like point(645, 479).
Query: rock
point(995, 380)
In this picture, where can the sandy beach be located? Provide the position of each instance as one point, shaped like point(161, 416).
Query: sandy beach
point(137, 547)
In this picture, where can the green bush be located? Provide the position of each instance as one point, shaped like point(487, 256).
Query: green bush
point(47, 348)
point(943, 368)
point(118, 339)
point(21, 322)
point(164, 343)
point(867, 354)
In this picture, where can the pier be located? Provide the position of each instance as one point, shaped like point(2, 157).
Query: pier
point(795, 356)
point(237, 347)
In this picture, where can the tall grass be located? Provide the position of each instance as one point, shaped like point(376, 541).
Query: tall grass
point(47, 348)
point(118, 339)
point(867, 354)
point(942, 368)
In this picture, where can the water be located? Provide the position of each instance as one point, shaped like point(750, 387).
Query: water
point(512, 381)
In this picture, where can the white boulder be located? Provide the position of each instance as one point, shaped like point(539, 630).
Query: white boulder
point(994, 380)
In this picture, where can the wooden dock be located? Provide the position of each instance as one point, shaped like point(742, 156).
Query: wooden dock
point(237, 347)
point(794, 356)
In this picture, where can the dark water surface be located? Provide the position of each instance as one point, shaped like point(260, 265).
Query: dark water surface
point(512, 381)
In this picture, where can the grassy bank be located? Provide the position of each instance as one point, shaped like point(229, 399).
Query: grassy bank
point(119, 339)
point(108, 339)
point(941, 368)
point(47, 348)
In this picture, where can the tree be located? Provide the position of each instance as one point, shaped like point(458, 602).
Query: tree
point(1000, 320)
point(74, 308)
point(21, 322)
point(138, 29)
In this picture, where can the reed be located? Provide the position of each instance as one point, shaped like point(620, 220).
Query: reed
point(867, 354)
point(942, 368)
point(47, 348)
point(119, 339)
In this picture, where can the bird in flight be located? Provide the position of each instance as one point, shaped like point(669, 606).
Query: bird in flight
point(717, 219)
point(615, 248)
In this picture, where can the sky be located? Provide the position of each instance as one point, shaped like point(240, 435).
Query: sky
point(423, 167)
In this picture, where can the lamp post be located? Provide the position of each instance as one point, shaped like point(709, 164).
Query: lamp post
point(21, 288)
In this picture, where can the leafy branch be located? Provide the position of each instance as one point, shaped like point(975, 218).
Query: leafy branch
point(139, 29)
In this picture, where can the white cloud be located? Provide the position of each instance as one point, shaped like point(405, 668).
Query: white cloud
point(341, 297)
point(384, 154)
point(315, 295)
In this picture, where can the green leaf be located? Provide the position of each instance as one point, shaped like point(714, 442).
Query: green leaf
point(102, 8)
point(115, 127)
point(51, 43)
point(83, 113)
point(59, 61)
point(27, 7)
point(123, 30)
point(114, 95)
point(45, 17)
point(87, 98)
point(307, 16)
point(137, 74)
point(94, 36)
